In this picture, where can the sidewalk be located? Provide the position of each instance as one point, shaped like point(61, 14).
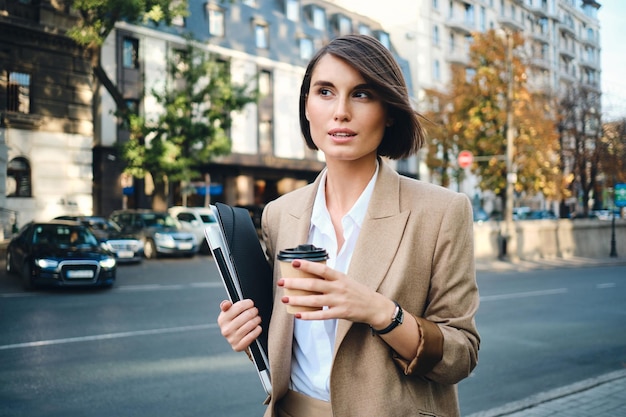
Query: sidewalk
point(494, 265)
point(604, 396)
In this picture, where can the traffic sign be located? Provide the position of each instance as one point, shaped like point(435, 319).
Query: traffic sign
point(620, 195)
point(465, 159)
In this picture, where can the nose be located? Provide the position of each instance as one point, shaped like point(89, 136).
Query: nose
point(342, 109)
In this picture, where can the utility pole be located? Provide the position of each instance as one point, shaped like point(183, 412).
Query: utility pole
point(508, 236)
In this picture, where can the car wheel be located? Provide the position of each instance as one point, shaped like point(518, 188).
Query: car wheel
point(9, 264)
point(149, 250)
point(27, 279)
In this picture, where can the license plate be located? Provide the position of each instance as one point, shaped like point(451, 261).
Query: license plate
point(125, 254)
point(79, 273)
point(185, 246)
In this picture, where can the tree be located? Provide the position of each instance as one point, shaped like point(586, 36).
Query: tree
point(613, 153)
point(197, 103)
point(476, 117)
point(97, 18)
point(581, 128)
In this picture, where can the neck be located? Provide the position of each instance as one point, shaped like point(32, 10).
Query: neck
point(345, 182)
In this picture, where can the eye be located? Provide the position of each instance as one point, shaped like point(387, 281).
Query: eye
point(363, 94)
point(324, 92)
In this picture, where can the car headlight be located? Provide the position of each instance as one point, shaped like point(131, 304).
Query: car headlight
point(46, 263)
point(107, 263)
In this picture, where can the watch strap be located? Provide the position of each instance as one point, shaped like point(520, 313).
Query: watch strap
point(396, 320)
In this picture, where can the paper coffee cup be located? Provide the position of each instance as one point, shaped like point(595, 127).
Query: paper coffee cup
point(305, 252)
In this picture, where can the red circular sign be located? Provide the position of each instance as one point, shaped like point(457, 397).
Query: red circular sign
point(465, 159)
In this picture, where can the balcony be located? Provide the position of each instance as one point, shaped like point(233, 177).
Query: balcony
point(589, 63)
point(539, 11)
point(541, 37)
point(458, 58)
point(567, 52)
point(510, 24)
point(540, 62)
point(462, 26)
point(568, 29)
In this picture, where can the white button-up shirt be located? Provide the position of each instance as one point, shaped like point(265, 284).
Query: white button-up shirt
point(314, 340)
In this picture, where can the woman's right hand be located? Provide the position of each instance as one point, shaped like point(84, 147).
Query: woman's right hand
point(239, 323)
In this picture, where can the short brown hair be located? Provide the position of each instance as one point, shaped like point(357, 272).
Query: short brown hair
point(378, 67)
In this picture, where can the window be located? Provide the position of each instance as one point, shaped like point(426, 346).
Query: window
point(364, 29)
point(306, 48)
point(483, 19)
point(266, 113)
point(436, 35)
point(435, 4)
point(437, 70)
point(18, 178)
point(344, 25)
point(130, 53)
point(319, 18)
point(18, 92)
point(383, 37)
point(216, 22)
point(292, 10)
point(261, 35)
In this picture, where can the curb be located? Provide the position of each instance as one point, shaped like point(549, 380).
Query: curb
point(551, 395)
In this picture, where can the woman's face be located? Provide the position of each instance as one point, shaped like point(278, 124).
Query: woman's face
point(347, 119)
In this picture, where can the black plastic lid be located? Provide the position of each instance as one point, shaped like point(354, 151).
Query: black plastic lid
point(306, 252)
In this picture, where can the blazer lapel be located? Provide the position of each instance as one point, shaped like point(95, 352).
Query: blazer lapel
point(379, 239)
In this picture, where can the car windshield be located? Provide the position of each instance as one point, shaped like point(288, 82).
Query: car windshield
point(208, 218)
point(105, 225)
point(63, 235)
point(159, 220)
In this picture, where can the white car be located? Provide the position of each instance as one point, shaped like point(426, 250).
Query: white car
point(195, 220)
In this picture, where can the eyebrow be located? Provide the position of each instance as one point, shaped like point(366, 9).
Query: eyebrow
point(322, 83)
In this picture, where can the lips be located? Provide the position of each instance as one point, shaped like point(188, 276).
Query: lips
point(341, 134)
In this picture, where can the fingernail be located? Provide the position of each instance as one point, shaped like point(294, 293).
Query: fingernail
point(285, 300)
point(298, 315)
point(296, 264)
point(280, 282)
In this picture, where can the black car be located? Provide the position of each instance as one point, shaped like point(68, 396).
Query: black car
point(126, 247)
point(59, 253)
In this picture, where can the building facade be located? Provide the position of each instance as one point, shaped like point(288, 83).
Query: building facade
point(270, 41)
point(562, 47)
point(46, 129)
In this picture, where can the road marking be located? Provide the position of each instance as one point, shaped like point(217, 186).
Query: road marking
point(523, 294)
point(109, 336)
point(140, 287)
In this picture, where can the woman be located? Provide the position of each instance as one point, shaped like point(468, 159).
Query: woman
point(399, 295)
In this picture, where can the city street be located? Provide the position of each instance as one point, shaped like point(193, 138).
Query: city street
point(151, 347)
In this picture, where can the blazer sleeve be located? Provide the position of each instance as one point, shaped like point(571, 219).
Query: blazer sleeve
point(453, 296)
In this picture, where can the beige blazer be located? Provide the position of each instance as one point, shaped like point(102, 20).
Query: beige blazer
point(416, 247)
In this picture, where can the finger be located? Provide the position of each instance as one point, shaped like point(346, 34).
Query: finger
point(316, 268)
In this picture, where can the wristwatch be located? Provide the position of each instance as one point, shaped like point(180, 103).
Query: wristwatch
point(396, 320)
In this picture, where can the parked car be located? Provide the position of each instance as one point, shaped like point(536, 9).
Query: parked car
point(59, 253)
point(160, 233)
point(195, 220)
point(480, 215)
point(126, 247)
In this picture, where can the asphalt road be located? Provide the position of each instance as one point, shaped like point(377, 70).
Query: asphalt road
point(150, 346)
